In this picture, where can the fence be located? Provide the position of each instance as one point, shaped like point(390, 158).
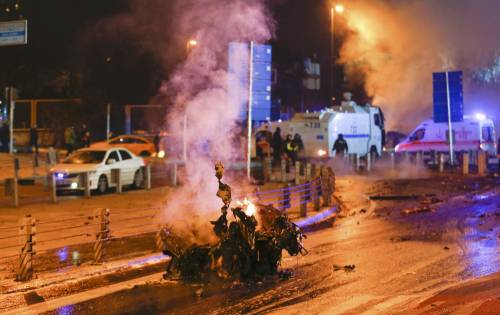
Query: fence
point(50, 181)
point(91, 237)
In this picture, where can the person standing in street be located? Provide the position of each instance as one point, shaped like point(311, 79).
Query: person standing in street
point(69, 139)
point(156, 141)
point(5, 136)
point(84, 136)
point(34, 139)
point(340, 146)
point(291, 149)
point(299, 145)
point(277, 145)
point(498, 156)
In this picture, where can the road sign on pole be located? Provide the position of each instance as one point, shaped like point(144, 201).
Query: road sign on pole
point(14, 33)
point(448, 102)
point(249, 69)
point(239, 74)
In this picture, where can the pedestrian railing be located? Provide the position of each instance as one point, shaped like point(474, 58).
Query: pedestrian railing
point(30, 239)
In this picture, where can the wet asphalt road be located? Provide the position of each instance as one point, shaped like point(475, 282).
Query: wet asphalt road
point(400, 259)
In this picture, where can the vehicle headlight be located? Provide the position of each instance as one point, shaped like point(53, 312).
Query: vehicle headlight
point(321, 152)
point(161, 154)
point(74, 185)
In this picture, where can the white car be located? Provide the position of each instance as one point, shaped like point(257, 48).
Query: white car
point(98, 162)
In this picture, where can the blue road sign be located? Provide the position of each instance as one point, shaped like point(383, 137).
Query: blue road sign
point(14, 33)
point(440, 97)
point(238, 67)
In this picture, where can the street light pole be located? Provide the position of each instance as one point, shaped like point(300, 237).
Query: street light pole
point(189, 45)
point(332, 53)
point(339, 9)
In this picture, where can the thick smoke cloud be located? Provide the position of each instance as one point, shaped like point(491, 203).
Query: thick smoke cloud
point(195, 88)
point(198, 89)
point(398, 44)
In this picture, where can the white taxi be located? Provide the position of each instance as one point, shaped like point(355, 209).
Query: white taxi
point(98, 162)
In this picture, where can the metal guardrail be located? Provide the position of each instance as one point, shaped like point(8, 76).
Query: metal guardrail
point(34, 237)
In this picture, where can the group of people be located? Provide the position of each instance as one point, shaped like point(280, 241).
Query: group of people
point(289, 148)
point(75, 139)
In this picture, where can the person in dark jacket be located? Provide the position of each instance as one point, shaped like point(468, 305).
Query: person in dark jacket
point(277, 145)
point(498, 156)
point(5, 136)
point(340, 146)
point(34, 139)
point(84, 137)
point(297, 139)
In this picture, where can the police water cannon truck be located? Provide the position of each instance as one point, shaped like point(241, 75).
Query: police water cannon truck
point(361, 126)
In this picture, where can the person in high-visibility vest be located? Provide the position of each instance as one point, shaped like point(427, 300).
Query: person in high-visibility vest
point(291, 148)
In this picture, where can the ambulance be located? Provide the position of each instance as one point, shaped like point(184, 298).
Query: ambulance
point(472, 134)
point(361, 126)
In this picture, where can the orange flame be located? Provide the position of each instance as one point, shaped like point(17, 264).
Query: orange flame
point(248, 207)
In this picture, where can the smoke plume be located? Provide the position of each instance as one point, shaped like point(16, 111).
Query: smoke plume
point(199, 90)
point(195, 88)
point(398, 44)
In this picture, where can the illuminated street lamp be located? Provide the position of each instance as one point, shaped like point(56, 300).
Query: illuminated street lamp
point(338, 9)
point(190, 45)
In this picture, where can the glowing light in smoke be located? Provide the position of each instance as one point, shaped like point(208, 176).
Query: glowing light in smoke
point(480, 116)
point(321, 152)
point(248, 207)
point(339, 8)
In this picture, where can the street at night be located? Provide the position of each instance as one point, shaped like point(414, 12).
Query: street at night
point(249, 157)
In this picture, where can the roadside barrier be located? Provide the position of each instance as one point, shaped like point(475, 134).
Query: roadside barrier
point(27, 230)
point(102, 235)
point(97, 231)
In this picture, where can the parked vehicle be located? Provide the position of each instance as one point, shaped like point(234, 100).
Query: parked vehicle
point(98, 162)
point(361, 126)
point(140, 146)
point(472, 134)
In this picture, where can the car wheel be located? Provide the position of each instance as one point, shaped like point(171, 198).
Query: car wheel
point(138, 179)
point(145, 154)
point(102, 184)
point(373, 151)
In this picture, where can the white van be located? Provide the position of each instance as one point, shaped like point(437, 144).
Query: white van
point(473, 133)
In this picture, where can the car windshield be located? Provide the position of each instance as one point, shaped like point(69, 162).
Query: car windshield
point(85, 157)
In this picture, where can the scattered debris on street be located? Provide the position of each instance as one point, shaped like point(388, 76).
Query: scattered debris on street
point(346, 268)
point(416, 210)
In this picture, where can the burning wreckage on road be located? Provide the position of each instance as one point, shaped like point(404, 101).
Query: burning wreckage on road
point(245, 250)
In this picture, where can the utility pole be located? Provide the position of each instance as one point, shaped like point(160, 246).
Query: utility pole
point(334, 9)
point(450, 127)
point(11, 93)
point(108, 121)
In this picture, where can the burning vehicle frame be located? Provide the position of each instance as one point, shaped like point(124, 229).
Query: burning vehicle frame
point(245, 250)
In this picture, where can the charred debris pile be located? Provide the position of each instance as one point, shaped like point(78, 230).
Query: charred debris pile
point(245, 250)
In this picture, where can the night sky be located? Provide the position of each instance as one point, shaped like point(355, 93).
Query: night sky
point(63, 41)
